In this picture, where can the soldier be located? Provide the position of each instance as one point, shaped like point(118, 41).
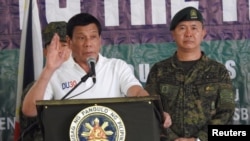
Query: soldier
point(195, 90)
point(29, 125)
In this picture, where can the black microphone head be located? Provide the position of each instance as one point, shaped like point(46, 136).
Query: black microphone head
point(91, 62)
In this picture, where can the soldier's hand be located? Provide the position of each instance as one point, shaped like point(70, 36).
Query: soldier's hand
point(167, 120)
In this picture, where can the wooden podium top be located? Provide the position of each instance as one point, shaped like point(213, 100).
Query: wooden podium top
point(96, 101)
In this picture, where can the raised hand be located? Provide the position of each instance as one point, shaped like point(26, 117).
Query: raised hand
point(56, 54)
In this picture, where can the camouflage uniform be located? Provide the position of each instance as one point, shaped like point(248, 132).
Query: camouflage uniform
point(51, 29)
point(201, 96)
point(30, 129)
point(29, 125)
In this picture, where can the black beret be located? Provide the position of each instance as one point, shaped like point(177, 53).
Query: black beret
point(186, 14)
point(51, 29)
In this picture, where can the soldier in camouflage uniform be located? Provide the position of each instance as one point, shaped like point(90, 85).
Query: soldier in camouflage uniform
point(195, 90)
point(30, 128)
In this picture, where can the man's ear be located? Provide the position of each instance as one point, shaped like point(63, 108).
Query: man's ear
point(204, 33)
point(172, 35)
point(68, 40)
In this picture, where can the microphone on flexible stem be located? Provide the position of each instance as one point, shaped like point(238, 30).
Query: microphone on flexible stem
point(83, 79)
point(91, 62)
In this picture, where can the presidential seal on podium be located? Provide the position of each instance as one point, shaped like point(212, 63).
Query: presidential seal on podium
point(97, 123)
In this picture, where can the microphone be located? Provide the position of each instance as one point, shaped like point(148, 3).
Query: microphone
point(91, 62)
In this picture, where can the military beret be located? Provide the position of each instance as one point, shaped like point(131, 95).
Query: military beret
point(186, 14)
point(52, 28)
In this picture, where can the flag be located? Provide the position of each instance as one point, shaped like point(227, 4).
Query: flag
point(30, 55)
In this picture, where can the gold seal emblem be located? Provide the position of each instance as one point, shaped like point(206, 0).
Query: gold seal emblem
point(97, 132)
point(97, 123)
point(193, 14)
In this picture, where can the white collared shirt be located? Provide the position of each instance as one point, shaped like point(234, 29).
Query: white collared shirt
point(113, 78)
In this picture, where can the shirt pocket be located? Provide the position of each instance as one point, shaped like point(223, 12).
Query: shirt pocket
point(208, 94)
point(168, 94)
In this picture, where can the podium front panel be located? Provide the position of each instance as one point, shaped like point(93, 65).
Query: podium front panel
point(140, 119)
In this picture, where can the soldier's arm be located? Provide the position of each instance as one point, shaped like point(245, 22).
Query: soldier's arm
point(224, 109)
point(225, 105)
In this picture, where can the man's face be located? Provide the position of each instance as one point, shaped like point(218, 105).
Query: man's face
point(85, 43)
point(188, 35)
point(63, 46)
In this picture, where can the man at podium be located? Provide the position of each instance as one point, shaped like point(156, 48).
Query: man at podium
point(86, 74)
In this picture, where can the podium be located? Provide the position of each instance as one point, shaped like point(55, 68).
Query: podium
point(106, 119)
